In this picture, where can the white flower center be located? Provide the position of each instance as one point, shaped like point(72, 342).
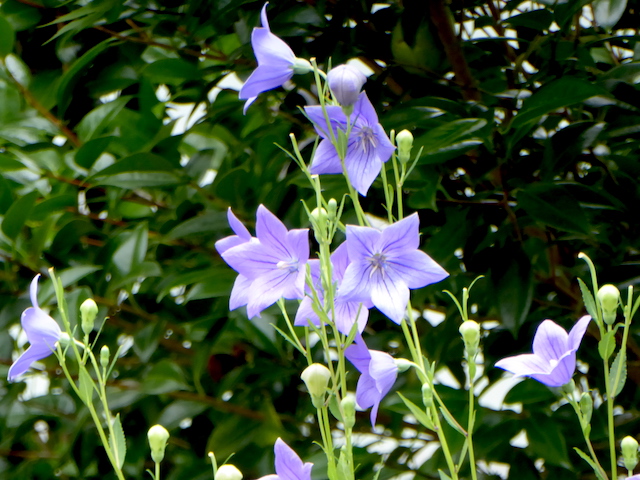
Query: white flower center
point(379, 264)
point(291, 265)
point(366, 138)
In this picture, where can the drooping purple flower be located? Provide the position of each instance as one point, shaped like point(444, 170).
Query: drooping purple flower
point(378, 373)
point(288, 464)
point(272, 264)
point(43, 333)
point(386, 264)
point(346, 82)
point(345, 313)
point(368, 146)
point(553, 360)
point(276, 62)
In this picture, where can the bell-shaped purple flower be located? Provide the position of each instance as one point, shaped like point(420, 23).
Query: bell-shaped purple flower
point(378, 373)
point(42, 332)
point(386, 264)
point(345, 313)
point(553, 360)
point(276, 62)
point(346, 81)
point(288, 464)
point(272, 265)
point(368, 146)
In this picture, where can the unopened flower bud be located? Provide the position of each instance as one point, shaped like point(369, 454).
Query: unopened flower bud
point(427, 395)
point(586, 407)
point(332, 209)
point(316, 377)
point(348, 411)
point(403, 364)
point(158, 437)
point(609, 297)
point(302, 66)
point(104, 357)
point(346, 81)
point(629, 447)
point(404, 141)
point(228, 472)
point(88, 314)
point(470, 331)
point(319, 222)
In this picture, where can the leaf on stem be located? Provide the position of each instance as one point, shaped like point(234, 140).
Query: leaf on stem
point(587, 298)
point(618, 373)
point(417, 412)
point(117, 442)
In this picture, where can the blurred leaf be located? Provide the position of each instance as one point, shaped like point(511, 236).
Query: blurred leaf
point(514, 293)
point(137, 171)
point(206, 223)
point(448, 140)
point(554, 206)
point(18, 214)
point(88, 153)
point(171, 71)
point(7, 37)
point(547, 441)
point(528, 392)
point(165, 376)
point(131, 250)
point(607, 13)
point(97, 119)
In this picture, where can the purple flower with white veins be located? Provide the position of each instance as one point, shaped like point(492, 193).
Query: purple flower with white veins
point(378, 373)
point(386, 264)
point(346, 313)
point(276, 62)
point(346, 82)
point(553, 360)
point(288, 464)
point(272, 263)
point(368, 146)
point(43, 333)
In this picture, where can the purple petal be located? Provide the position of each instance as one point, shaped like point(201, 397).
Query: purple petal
point(325, 159)
point(32, 354)
point(383, 370)
point(417, 269)
point(523, 365)
point(401, 236)
point(270, 50)
point(367, 394)
point(385, 148)
point(40, 328)
point(237, 226)
point(33, 291)
point(348, 313)
point(271, 232)
point(337, 119)
point(577, 332)
point(356, 285)
point(262, 79)
point(289, 466)
point(251, 259)
point(298, 244)
point(240, 292)
point(358, 354)
point(340, 261)
point(263, 17)
point(390, 295)
point(363, 111)
point(363, 165)
point(362, 243)
point(561, 373)
point(550, 341)
point(306, 314)
point(269, 288)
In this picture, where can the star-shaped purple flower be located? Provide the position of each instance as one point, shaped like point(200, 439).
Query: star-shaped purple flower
point(368, 146)
point(553, 360)
point(272, 265)
point(288, 464)
point(346, 313)
point(386, 264)
point(42, 332)
point(378, 373)
point(276, 62)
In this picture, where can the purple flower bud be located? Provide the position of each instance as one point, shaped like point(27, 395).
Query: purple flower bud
point(346, 83)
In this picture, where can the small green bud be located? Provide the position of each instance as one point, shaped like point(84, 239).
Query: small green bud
point(228, 472)
point(404, 141)
point(348, 404)
point(332, 206)
point(427, 395)
point(629, 447)
point(470, 331)
point(609, 298)
point(316, 377)
point(403, 364)
point(104, 357)
point(158, 437)
point(319, 222)
point(88, 314)
point(301, 66)
point(586, 407)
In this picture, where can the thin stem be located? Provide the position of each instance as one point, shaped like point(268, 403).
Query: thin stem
point(157, 471)
point(470, 423)
point(592, 452)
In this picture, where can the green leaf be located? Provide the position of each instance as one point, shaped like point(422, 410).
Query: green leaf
point(554, 96)
point(137, 171)
point(18, 214)
point(587, 298)
point(88, 153)
point(98, 119)
point(618, 373)
point(443, 476)
point(171, 71)
point(607, 345)
point(85, 386)
point(132, 249)
point(547, 441)
point(452, 422)
point(207, 223)
point(607, 13)
point(514, 294)
point(449, 140)
point(591, 463)
point(164, 377)
point(7, 37)
point(417, 412)
point(118, 444)
point(553, 205)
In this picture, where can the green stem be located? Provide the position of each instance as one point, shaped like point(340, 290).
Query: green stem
point(471, 421)
point(592, 452)
point(157, 471)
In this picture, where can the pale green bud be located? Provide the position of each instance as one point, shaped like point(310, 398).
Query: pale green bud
point(319, 222)
point(332, 206)
point(301, 66)
point(228, 472)
point(104, 357)
point(403, 364)
point(586, 406)
point(470, 331)
point(427, 395)
point(348, 404)
point(609, 297)
point(316, 377)
point(88, 314)
point(404, 141)
point(629, 447)
point(158, 437)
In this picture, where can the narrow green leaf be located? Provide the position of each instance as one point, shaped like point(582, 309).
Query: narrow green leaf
point(137, 171)
point(451, 421)
point(18, 214)
point(85, 386)
point(118, 444)
point(287, 338)
point(553, 205)
point(450, 139)
point(417, 412)
point(7, 37)
point(607, 345)
point(97, 120)
point(618, 373)
point(443, 476)
point(587, 298)
point(591, 463)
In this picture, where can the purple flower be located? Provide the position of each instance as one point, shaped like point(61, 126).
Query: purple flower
point(386, 264)
point(368, 146)
point(378, 373)
point(271, 266)
point(288, 464)
point(276, 62)
point(42, 332)
point(553, 360)
point(346, 313)
point(346, 82)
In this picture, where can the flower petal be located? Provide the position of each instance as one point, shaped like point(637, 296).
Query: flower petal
point(306, 314)
point(550, 341)
point(337, 119)
point(272, 233)
point(363, 165)
point(356, 284)
point(33, 291)
point(270, 50)
point(348, 313)
point(561, 373)
point(401, 236)
point(289, 466)
point(251, 259)
point(390, 295)
point(32, 354)
point(367, 395)
point(417, 269)
point(362, 243)
point(577, 332)
point(262, 79)
point(270, 287)
point(40, 328)
point(298, 244)
point(358, 354)
point(363, 111)
point(240, 292)
point(325, 159)
point(523, 365)
point(383, 370)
